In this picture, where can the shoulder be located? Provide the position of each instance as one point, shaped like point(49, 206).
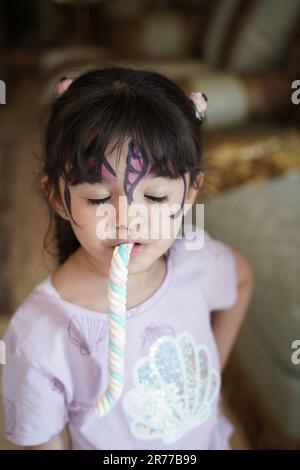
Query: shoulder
point(198, 245)
point(35, 325)
point(211, 263)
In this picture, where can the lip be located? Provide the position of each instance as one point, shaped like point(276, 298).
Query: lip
point(137, 247)
point(139, 242)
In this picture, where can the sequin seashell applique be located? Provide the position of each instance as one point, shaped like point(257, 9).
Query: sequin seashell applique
point(175, 389)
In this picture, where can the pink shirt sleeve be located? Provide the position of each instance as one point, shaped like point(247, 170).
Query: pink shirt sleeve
point(223, 289)
point(33, 402)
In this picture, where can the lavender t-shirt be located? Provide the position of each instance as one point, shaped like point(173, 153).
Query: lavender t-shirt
point(57, 355)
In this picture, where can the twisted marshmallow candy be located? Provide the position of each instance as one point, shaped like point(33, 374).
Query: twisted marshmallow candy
point(117, 334)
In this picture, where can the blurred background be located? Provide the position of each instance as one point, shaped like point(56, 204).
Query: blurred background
point(245, 56)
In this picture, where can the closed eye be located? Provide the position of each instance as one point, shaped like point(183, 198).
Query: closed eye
point(97, 202)
point(158, 199)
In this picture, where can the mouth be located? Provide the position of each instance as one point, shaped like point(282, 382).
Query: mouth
point(136, 242)
point(137, 246)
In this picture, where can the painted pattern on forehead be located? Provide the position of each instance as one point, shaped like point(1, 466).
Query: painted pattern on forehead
point(106, 170)
point(138, 161)
point(137, 166)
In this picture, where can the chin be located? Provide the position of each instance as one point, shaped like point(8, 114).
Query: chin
point(138, 264)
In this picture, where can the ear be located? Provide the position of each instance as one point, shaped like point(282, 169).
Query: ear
point(55, 203)
point(192, 192)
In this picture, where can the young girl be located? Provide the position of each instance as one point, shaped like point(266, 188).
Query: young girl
point(120, 134)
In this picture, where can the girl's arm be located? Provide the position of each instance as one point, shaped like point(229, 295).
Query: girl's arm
point(60, 442)
point(226, 323)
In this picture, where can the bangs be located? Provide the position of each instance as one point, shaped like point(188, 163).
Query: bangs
point(160, 129)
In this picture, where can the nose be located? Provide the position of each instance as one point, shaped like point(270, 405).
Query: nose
point(127, 222)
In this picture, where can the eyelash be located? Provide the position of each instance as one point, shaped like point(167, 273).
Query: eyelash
point(158, 199)
point(97, 202)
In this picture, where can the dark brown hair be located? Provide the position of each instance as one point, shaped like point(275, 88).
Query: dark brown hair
point(109, 105)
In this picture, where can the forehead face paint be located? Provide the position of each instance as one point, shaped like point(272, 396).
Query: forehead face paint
point(106, 171)
point(136, 168)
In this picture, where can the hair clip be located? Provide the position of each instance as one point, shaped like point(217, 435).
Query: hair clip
point(63, 85)
point(200, 101)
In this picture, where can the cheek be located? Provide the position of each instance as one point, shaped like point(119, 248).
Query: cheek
point(87, 222)
point(162, 226)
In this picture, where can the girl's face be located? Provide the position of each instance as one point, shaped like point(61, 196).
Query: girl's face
point(132, 203)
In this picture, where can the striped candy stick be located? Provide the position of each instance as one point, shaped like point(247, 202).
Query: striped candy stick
point(117, 283)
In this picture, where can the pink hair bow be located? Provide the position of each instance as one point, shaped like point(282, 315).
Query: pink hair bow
point(200, 102)
point(63, 85)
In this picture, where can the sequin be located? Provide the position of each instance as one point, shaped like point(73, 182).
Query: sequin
point(175, 387)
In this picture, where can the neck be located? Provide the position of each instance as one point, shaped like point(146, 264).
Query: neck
point(91, 271)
